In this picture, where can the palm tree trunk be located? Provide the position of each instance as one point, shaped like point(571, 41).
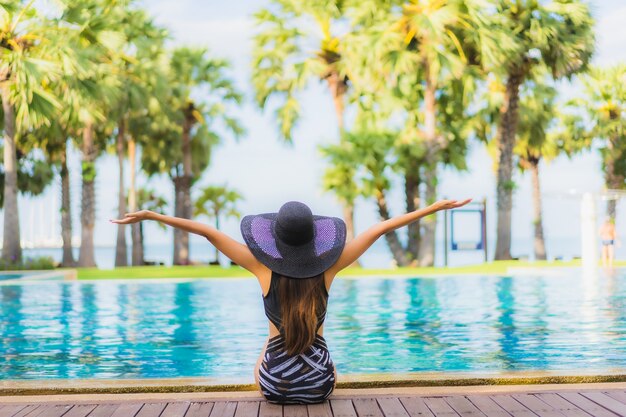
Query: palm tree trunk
point(183, 195)
point(11, 245)
point(429, 224)
point(121, 253)
point(181, 240)
point(217, 226)
point(338, 88)
point(392, 237)
point(137, 255)
point(506, 142)
point(348, 216)
point(86, 257)
point(411, 192)
point(540, 244)
point(140, 243)
point(66, 212)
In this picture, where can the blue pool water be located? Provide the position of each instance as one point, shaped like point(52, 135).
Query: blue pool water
point(216, 327)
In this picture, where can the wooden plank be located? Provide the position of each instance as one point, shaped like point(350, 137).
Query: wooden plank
point(366, 407)
point(247, 409)
point(487, 406)
point(463, 406)
point(586, 404)
point(319, 410)
point(175, 409)
point(199, 409)
point(11, 409)
point(224, 409)
point(618, 395)
point(80, 410)
point(439, 407)
point(342, 408)
point(392, 407)
point(512, 406)
point(270, 410)
point(606, 401)
point(542, 409)
point(29, 410)
point(126, 410)
point(54, 410)
point(416, 407)
point(104, 410)
point(151, 410)
point(561, 404)
point(293, 410)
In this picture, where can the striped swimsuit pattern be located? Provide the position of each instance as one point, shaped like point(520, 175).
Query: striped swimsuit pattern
point(306, 378)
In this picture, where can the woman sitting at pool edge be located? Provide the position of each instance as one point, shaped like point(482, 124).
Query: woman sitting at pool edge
point(295, 255)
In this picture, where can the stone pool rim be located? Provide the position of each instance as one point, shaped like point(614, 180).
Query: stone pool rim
point(207, 384)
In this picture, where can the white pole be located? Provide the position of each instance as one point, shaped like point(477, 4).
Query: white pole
point(588, 233)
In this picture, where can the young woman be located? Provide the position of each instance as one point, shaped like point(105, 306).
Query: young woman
point(295, 255)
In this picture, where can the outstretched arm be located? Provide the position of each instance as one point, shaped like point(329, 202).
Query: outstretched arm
point(356, 247)
point(237, 252)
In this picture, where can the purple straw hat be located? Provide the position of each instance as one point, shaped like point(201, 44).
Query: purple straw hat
point(294, 242)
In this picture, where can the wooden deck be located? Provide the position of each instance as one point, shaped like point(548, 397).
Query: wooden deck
point(600, 403)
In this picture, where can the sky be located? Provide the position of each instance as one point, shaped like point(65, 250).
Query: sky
point(268, 173)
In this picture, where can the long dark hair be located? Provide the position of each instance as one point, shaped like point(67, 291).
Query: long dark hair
point(301, 300)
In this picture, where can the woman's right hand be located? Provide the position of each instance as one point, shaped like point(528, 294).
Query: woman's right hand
point(133, 217)
point(449, 204)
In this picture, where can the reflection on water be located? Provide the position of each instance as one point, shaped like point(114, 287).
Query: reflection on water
point(216, 327)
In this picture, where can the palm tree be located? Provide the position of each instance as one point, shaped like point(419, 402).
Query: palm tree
point(192, 69)
point(513, 36)
point(137, 64)
point(537, 113)
point(94, 89)
point(215, 202)
point(413, 50)
point(53, 140)
point(29, 48)
point(604, 106)
point(283, 64)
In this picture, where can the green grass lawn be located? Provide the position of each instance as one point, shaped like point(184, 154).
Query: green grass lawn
point(498, 267)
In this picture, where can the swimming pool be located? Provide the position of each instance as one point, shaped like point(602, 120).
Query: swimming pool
point(216, 327)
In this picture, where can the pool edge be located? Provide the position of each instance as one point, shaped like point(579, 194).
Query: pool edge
point(199, 385)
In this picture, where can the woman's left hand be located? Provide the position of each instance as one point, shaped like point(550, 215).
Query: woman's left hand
point(133, 217)
point(449, 204)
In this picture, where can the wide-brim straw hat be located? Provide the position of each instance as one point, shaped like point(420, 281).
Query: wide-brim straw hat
point(294, 242)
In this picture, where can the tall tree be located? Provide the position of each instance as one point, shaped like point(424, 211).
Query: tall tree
point(534, 144)
point(604, 107)
point(283, 64)
point(140, 75)
point(96, 89)
point(513, 36)
point(412, 51)
point(29, 50)
point(192, 69)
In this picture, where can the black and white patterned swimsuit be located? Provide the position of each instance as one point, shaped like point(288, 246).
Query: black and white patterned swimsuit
point(305, 378)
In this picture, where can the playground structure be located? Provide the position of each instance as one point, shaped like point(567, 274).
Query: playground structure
point(468, 238)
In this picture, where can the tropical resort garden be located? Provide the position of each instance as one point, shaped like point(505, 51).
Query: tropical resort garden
point(367, 111)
